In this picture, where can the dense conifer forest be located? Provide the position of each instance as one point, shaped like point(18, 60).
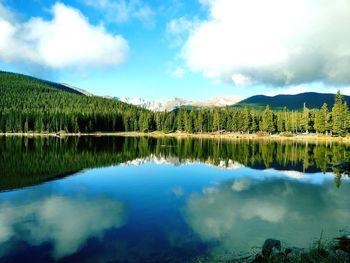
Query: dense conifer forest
point(26, 161)
point(29, 104)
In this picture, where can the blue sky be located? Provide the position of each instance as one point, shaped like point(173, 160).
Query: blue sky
point(190, 49)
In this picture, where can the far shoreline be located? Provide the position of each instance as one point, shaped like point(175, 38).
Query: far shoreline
point(306, 138)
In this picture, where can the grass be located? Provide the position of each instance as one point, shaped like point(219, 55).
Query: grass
point(212, 135)
point(319, 252)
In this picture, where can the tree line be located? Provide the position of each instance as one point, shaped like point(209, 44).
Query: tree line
point(26, 161)
point(27, 104)
point(246, 120)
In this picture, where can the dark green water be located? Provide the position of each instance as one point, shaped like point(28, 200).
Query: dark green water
point(110, 199)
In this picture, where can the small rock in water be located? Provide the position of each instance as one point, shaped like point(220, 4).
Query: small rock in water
point(275, 251)
point(271, 246)
point(344, 243)
point(259, 259)
point(293, 252)
point(288, 250)
point(342, 255)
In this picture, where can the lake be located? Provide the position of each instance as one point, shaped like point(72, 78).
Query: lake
point(116, 199)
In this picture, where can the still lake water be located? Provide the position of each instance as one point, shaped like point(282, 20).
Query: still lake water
point(115, 199)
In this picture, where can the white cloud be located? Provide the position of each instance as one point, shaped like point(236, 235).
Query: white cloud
point(67, 40)
point(178, 72)
point(178, 191)
point(241, 185)
point(272, 42)
point(67, 223)
point(177, 30)
point(241, 80)
point(344, 91)
point(289, 91)
point(6, 13)
point(272, 213)
point(179, 26)
point(121, 11)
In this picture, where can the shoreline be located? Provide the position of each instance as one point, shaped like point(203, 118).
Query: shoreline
point(307, 138)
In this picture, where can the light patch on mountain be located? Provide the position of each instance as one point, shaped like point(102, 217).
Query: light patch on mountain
point(82, 91)
point(171, 104)
point(173, 160)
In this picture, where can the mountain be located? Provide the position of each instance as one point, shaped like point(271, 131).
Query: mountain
point(171, 104)
point(9, 77)
point(156, 105)
point(31, 104)
point(73, 89)
point(291, 102)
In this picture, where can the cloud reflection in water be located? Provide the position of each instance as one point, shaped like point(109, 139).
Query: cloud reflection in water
point(66, 222)
point(242, 213)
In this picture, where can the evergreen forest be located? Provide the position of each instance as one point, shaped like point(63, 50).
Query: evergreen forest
point(30, 104)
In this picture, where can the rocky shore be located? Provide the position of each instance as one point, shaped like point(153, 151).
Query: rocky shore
point(272, 251)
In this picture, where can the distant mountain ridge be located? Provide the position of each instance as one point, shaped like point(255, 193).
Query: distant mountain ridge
point(171, 104)
point(291, 102)
point(277, 102)
point(72, 88)
point(60, 86)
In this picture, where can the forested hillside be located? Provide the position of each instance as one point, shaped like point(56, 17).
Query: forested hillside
point(28, 104)
point(313, 100)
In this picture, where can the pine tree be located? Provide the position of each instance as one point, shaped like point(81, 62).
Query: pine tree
point(305, 120)
point(39, 125)
point(280, 122)
point(321, 119)
point(255, 123)
point(180, 121)
point(216, 119)
point(199, 121)
point(267, 123)
point(346, 117)
point(26, 127)
point(247, 120)
point(338, 116)
point(188, 122)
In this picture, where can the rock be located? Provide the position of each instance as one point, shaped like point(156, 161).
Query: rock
point(271, 246)
point(288, 250)
point(344, 243)
point(275, 251)
point(259, 259)
point(293, 252)
point(250, 259)
point(342, 255)
point(332, 254)
point(343, 167)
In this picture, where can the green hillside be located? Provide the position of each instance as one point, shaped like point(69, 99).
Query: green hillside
point(15, 79)
point(27, 103)
point(312, 100)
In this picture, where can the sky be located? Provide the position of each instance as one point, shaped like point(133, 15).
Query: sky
point(192, 49)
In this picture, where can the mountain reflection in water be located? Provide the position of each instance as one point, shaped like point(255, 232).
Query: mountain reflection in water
point(27, 161)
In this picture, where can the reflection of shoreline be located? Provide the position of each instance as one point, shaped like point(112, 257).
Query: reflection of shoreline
point(300, 138)
point(314, 178)
point(172, 160)
point(29, 161)
point(46, 180)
